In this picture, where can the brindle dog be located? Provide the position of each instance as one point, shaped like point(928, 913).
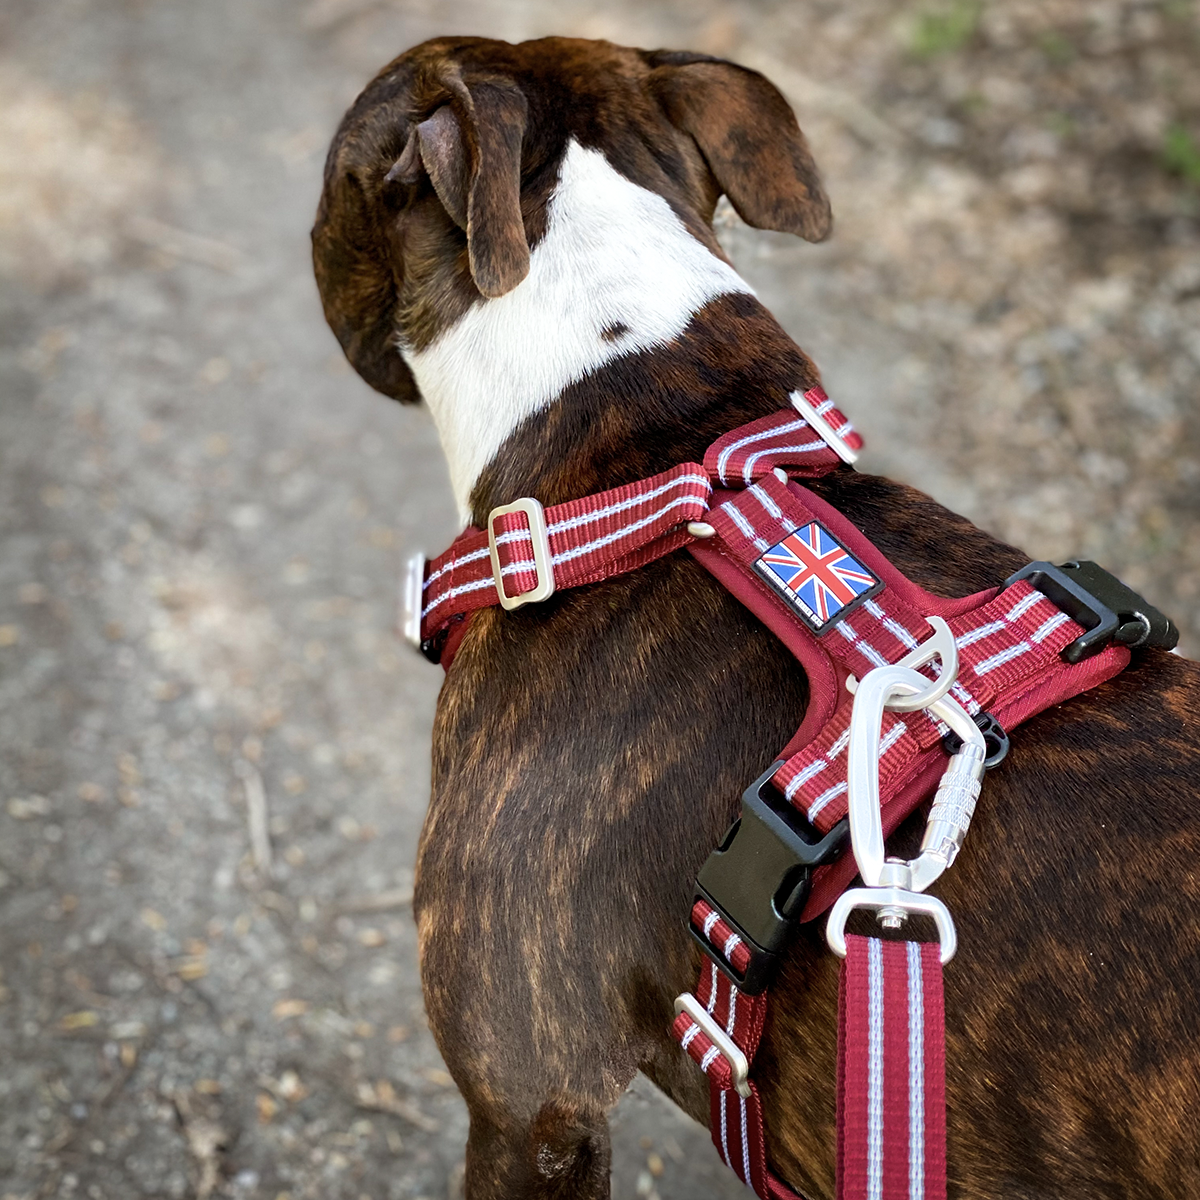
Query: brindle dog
point(589, 752)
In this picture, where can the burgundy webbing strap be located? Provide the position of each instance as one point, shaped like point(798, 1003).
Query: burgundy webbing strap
point(590, 539)
point(1009, 644)
point(891, 1106)
point(736, 1121)
point(784, 439)
point(607, 534)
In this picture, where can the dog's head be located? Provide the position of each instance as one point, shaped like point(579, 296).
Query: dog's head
point(439, 180)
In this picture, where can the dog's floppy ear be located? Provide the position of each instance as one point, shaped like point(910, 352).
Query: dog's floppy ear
point(749, 136)
point(358, 289)
point(471, 148)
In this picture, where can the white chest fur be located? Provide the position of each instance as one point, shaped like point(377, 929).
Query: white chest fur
point(614, 254)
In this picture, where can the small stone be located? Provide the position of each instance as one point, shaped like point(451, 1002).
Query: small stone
point(283, 1009)
point(9, 635)
point(32, 593)
point(25, 809)
point(85, 1019)
point(155, 920)
point(90, 793)
point(655, 1165)
point(290, 1088)
point(215, 371)
point(371, 938)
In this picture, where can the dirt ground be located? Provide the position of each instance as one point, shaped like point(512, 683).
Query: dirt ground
point(213, 747)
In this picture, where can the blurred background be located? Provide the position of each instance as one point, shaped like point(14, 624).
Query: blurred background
point(213, 747)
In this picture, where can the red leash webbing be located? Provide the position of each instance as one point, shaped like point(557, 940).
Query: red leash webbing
point(891, 1104)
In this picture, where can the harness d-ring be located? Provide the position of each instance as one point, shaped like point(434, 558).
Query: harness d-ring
point(940, 645)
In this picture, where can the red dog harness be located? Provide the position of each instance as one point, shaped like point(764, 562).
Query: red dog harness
point(873, 745)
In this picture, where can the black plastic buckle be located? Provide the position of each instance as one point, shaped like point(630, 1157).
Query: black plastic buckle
point(994, 736)
point(760, 876)
point(1102, 604)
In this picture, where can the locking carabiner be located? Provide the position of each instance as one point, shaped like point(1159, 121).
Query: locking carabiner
point(893, 886)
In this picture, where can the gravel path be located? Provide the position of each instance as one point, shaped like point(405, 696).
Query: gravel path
point(213, 748)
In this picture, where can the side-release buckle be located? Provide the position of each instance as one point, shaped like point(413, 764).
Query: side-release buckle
point(1106, 608)
point(760, 877)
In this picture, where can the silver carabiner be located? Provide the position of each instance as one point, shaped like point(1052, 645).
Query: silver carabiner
point(956, 794)
point(893, 886)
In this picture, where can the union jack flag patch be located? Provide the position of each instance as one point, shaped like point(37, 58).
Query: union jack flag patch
point(813, 571)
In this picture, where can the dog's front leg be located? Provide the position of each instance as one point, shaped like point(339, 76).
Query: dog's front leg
point(577, 789)
point(515, 1001)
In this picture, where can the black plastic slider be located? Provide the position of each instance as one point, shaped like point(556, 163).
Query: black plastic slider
point(760, 877)
point(994, 736)
point(1107, 609)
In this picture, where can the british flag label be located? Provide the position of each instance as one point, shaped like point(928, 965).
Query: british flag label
point(817, 576)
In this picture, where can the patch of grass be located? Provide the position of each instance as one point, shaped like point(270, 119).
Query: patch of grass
point(1180, 154)
point(1057, 49)
point(946, 29)
point(1060, 124)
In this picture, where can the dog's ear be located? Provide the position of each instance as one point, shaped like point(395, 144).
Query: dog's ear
point(749, 136)
point(358, 290)
point(471, 148)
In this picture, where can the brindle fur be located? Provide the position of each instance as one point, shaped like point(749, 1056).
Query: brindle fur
point(589, 752)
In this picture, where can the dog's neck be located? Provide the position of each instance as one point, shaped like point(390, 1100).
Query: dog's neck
point(627, 335)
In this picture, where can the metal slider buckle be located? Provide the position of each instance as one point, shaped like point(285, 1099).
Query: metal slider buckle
point(760, 877)
point(1107, 609)
point(539, 537)
point(412, 592)
point(726, 1047)
point(822, 428)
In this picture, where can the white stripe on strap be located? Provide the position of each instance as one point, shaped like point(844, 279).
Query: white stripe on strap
point(745, 1143)
point(724, 456)
point(747, 530)
point(824, 798)
point(916, 1075)
point(1002, 657)
point(621, 505)
point(874, 1069)
point(748, 468)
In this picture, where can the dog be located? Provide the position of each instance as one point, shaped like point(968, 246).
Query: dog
point(520, 235)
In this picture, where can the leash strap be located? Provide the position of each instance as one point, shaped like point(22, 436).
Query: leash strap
point(891, 1118)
